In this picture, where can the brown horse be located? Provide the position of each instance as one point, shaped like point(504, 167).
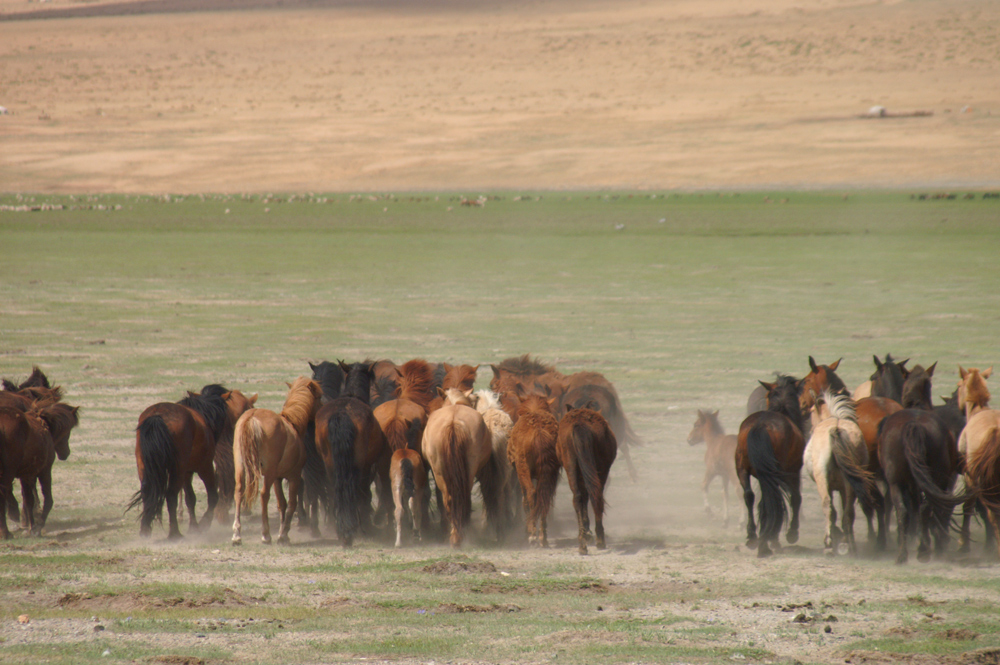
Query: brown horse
point(973, 394)
point(172, 443)
point(531, 450)
point(409, 487)
point(920, 460)
point(269, 447)
point(587, 447)
point(870, 412)
point(456, 445)
point(769, 447)
point(403, 419)
point(601, 397)
point(355, 453)
point(30, 440)
point(720, 452)
point(820, 378)
point(225, 471)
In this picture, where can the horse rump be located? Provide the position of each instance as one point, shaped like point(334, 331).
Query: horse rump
point(861, 480)
point(156, 450)
point(772, 511)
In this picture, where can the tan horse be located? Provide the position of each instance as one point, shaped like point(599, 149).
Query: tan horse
point(532, 451)
point(836, 458)
point(409, 485)
point(457, 446)
point(980, 445)
point(720, 456)
point(269, 447)
point(973, 395)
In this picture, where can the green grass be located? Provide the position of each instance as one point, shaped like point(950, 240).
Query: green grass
point(126, 307)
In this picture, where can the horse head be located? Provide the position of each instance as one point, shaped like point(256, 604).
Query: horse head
point(917, 388)
point(973, 394)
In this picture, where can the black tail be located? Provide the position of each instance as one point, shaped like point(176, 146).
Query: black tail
point(344, 476)
point(315, 482)
point(917, 442)
point(156, 449)
point(857, 476)
point(772, 511)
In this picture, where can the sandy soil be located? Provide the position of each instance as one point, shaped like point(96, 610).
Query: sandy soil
point(214, 95)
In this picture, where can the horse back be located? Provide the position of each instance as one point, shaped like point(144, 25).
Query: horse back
point(26, 448)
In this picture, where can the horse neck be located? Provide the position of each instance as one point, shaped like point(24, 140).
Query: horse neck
point(712, 432)
point(358, 386)
point(889, 382)
point(299, 409)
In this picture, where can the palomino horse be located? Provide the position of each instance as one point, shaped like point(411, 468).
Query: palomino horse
point(30, 440)
point(269, 447)
point(531, 450)
point(836, 459)
point(353, 448)
point(500, 424)
point(769, 447)
point(587, 448)
point(409, 488)
point(980, 444)
point(457, 447)
point(973, 394)
point(172, 443)
point(720, 452)
point(920, 460)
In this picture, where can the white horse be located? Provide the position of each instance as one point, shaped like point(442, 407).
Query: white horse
point(835, 458)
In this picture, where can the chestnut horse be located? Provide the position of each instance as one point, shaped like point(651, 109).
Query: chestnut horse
point(980, 444)
point(870, 412)
point(409, 487)
point(819, 378)
point(269, 447)
point(769, 447)
point(604, 400)
point(836, 458)
point(587, 447)
point(531, 450)
point(354, 451)
point(462, 377)
point(720, 452)
point(175, 441)
point(456, 445)
point(403, 419)
point(920, 460)
point(30, 441)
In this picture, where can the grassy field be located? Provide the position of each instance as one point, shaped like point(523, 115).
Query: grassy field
point(683, 300)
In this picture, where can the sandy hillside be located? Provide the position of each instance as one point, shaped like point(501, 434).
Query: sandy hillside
point(216, 95)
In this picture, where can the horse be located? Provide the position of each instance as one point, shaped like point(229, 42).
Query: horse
point(457, 446)
point(385, 382)
point(973, 394)
point(869, 413)
point(173, 442)
point(409, 486)
point(462, 377)
point(36, 379)
point(225, 471)
point(603, 399)
point(769, 447)
point(889, 377)
point(587, 448)
point(330, 377)
point(531, 450)
point(917, 388)
point(523, 374)
point(354, 451)
point(836, 458)
point(720, 452)
point(487, 403)
point(980, 446)
point(819, 378)
point(920, 460)
point(403, 419)
point(269, 447)
point(30, 441)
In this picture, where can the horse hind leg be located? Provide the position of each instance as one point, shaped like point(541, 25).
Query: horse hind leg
point(190, 501)
point(795, 499)
point(288, 510)
point(207, 476)
point(173, 494)
point(45, 482)
point(265, 524)
point(748, 499)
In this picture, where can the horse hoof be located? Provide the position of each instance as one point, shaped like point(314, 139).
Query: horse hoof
point(174, 536)
point(843, 549)
point(792, 537)
point(601, 545)
point(901, 558)
point(583, 550)
point(266, 540)
point(237, 542)
point(763, 552)
point(751, 543)
point(923, 557)
point(283, 540)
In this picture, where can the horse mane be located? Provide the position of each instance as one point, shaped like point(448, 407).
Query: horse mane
point(783, 398)
point(457, 397)
point(840, 406)
point(300, 405)
point(212, 408)
point(41, 395)
point(357, 380)
point(534, 402)
point(60, 417)
point(487, 399)
point(460, 376)
point(330, 377)
point(417, 382)
point(525, 366)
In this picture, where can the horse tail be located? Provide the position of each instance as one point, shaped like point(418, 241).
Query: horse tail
point(983, 471)
point(396, 434)
point(157, 451)
point(246, 446)
point(916, 443)
point(585, 442)
point(772, 510)
point(225, 470)
point(455, 470)
point(861, 480)
point(345, 477)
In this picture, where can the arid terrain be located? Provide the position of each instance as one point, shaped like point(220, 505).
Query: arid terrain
point(301, 95)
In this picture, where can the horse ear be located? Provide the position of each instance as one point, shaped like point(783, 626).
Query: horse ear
point(344, 366)
point(767, 386)
point(448, 367)
point(496, 371)
point(812, 364)
point(930, 370)
point(716, 414)
point(441, 393)
point(288, 384)
point(962, 373)
point(313, 367)
point(253, 400)
point(569, 407)
point(833, 366)
point(878, 363)
point(986, 372)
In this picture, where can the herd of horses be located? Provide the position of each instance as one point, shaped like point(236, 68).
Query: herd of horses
point(883, 445)
point(399, 429)
point(417, 432)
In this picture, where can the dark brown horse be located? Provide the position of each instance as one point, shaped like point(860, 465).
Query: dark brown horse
point(601, 397)
point(30, 441)
point(587, 448)
point(531, 449)
point(769, 448)
point(889, 377)
point(919, 457)
point(173, 442)
point(917, 388)
point(225, 472)
point(355, 453)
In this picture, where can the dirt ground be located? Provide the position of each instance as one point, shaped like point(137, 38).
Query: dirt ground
point(309, 95)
